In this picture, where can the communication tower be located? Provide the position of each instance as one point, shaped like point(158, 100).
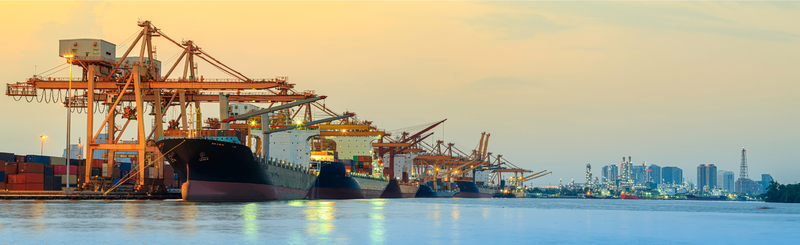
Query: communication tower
point(743, 166)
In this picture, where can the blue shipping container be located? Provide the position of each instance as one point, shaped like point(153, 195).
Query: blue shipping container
point(3, 177)
point(38, 159)
point(125, 166)
point(8, 157)
point(116, 181)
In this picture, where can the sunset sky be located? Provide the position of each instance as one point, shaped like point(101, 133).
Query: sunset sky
point(557, 84)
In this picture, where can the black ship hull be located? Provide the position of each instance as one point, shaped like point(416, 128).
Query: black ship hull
point(468, 189)
point(223, 171)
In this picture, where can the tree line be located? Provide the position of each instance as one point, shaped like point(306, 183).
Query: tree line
point(789, 193)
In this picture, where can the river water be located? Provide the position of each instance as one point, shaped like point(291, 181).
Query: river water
point(400, 221)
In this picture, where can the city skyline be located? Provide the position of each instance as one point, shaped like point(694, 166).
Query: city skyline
point(558, 85)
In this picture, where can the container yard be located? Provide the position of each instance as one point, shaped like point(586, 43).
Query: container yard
point(269, 143)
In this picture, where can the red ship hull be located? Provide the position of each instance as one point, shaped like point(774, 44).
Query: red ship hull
point(210, 191)
point(634, 197)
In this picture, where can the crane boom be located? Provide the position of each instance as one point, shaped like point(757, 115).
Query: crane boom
point(309, 123)
point(271, 109)
point(529, 179)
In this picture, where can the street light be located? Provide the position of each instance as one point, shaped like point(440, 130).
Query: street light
point(43, 137)
point(69, 111)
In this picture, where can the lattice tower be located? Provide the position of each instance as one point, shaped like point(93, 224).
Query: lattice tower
point(743, 167)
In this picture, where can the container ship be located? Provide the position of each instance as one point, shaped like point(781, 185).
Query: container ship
point(343, 155)
point(431, 190)
point(469, 189)
point(636, 197)
point(220, 168)
point(335, 182)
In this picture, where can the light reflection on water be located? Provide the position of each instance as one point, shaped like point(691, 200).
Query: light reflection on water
point(392, 221)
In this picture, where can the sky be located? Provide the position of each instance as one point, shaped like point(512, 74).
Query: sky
point(556, 84)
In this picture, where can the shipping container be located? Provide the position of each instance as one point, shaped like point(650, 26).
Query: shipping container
point(37, 159)
point(76, 162)
point(81, 170)
point(62, 169)
point(16, 179)
point(96, 171)
point(58, 161)
point(48, 170)
point(48, 183)
point(16, 187)
point(3, 186)
point(57, 182)
point(7, 157)
point(10, 168)
point(73, 179)
point(33, 177)
point(97, 163)
point(3, 177)
point(125, 166)
point(19, 158)
point(34, 186)
point(30, 167)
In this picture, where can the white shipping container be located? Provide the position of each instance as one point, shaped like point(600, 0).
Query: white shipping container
point(73, 179)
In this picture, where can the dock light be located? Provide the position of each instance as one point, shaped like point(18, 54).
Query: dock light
point(43, 137)
point(344, 130)
point(69, 55)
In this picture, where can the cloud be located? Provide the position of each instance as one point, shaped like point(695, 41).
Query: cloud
point(695, 18)
point(517, 25)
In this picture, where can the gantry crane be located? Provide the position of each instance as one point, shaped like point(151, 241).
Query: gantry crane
point(111, 83)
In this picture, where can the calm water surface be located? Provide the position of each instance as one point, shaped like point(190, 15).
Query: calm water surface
point(392, 221)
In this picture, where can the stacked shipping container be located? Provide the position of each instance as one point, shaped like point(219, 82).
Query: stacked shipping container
point(38, 173)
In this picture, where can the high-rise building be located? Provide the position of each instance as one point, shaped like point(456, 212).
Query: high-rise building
point(765, 181)
point(728, 181)
point(588, 174)
point(672, 175)
point(706, 177)
point(702, 176)
point(610, 173)
point(625, 170)
point(655, 174)
point(638, 174)
point(712, 177)
point(766, 178)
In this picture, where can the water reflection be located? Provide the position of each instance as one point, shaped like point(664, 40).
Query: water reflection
point(323, 213)
point(130, 212)
point(249, 215)
point(38, 212)
point(188, 213)
point(378, 233)
point(455, 214)
point(436, 219)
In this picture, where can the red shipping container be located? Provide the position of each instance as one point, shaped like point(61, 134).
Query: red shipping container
point(62, 169)
point(16, 187)
point(33, 178)
point(29, 167)
point(34, 186)
point(20, 158)
point(16, 179)
point(2, 186)
point(10, 168)
point(81, 171)
point(97, 163)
